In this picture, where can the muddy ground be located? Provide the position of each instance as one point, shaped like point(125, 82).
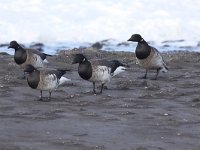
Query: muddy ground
point(131, 114)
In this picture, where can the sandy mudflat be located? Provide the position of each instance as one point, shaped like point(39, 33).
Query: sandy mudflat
point(131, 114)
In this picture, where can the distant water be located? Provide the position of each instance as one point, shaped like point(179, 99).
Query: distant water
point(112, 45)
point(82, 21)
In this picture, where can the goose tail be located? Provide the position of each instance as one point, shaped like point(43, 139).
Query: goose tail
point(63, 80)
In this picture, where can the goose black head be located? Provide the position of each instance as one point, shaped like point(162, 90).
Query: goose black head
point(29, 68)
point(79, 58)
point(14, 44)
point(136, 38)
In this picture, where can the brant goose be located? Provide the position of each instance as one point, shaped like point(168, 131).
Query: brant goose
point(97, 71)
point(44, 79)
point(24, 56)
point(147, 56)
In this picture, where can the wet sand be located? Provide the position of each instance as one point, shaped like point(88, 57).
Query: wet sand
point(131, 114)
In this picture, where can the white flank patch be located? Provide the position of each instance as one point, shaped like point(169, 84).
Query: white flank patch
point(52, 81)
point(48, 82)
point(45, 61)
point(101, 74)
point(119, 70)
point(38, 61)
point(63, 80)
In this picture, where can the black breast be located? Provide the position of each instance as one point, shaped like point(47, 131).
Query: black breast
point(142, 51)
point(85, 70)
point(34, 79)
point(20, 56)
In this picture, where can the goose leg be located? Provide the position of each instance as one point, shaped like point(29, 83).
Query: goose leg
point(94, 88)
point(49, 95)
point(41, 98)
point(102, 87)
point(157, 72)
point(41, 93)
point(145, 76)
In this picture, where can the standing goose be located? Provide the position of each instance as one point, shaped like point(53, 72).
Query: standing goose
point(24, 56)
point(44, 79)
point(97, 71)
point(147, 56)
